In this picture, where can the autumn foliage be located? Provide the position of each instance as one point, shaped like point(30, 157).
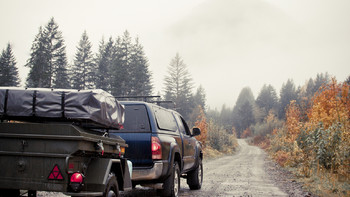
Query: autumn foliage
point(320, 143)
point(202, 124)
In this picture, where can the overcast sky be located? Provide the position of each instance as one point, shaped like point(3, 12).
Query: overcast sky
point(226, 44)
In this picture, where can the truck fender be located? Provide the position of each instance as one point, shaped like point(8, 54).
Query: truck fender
point(174, 154)
point(199, 154)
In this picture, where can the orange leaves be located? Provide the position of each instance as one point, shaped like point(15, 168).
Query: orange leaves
point(293, 123)
point(330, 105)
point(202, 124)
point(246, 133)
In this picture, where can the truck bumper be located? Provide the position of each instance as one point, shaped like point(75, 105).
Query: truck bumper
point(83, 194)
point(149, 173)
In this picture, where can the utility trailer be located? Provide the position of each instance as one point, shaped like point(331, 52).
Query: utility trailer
point(75, 156)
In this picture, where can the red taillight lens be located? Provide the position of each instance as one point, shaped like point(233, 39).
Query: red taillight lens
point(76, 182)
point(76, 178)
point(156, 148)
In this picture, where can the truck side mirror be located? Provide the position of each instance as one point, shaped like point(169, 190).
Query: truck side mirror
point(196, 131)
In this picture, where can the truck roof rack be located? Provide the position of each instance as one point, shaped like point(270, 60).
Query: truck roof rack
point(148, 99)
point(143, 98)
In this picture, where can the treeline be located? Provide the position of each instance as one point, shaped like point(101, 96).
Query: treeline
point(120, 67)
point(249, 114)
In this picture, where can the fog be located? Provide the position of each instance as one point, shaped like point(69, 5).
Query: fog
point(226, 44)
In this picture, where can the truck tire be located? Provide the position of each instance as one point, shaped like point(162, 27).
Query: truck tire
point(111, 187)
point(171, 186)
point(195, 177)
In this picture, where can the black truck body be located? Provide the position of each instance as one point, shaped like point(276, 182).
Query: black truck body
point(70, 154)
point(161, 147)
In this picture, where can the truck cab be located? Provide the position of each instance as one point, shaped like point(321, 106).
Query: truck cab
point(161, 147)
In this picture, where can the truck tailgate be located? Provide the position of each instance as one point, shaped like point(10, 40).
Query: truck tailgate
point(139, 148)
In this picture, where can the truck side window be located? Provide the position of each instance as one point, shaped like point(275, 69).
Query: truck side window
point(165, 119)
point(188, 132)
point(136, 119)
point(182, 125)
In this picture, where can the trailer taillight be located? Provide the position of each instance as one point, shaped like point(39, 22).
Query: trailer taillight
point(76, 178)
point(76, 181)
point(156, 148)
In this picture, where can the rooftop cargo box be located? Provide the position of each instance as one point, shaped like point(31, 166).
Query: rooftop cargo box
point(91, 108)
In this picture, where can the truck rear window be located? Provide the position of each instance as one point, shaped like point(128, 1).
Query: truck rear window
point(136, 119)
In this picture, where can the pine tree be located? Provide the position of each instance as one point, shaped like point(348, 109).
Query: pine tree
point(121, 68)
point(243, 115)
point(8, 69)
point(267, 99)
point(199, 97)
point(178, 86)
point(130, 73)
point(83, 70)
point(48, 61)
point(57, 56)
point(140, 76)
point(39, 74)
point(104, 61)
point(288, 93)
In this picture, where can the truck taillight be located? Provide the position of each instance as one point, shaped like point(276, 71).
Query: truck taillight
point(76, 181)
point(156, 148)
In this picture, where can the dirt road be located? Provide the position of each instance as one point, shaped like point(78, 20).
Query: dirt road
point(247, 173)
point(240, 175)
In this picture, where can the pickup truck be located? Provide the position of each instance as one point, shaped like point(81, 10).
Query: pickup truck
point(58, 140)
point(161, 147)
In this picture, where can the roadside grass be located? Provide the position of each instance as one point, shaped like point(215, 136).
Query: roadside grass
point(322, 183)
point(212, 153)
point(318, 181)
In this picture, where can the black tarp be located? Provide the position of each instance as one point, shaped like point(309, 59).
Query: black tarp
point(93, 107)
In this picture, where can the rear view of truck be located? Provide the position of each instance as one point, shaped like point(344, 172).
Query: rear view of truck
point(58, 141)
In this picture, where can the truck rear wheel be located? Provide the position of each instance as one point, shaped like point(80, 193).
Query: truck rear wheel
point(171, 186)
point(195, 177)
point(112, 189)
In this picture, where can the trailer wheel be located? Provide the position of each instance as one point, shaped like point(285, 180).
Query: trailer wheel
point(111, 187)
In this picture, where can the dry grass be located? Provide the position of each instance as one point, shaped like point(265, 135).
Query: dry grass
point(323, 183)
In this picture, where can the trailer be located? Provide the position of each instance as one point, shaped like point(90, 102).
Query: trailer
point(62, 154)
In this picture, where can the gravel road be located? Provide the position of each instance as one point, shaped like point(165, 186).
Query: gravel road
point(242, 174)
point(248, 173)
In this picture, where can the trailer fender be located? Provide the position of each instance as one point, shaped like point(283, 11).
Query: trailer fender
point(99, 169)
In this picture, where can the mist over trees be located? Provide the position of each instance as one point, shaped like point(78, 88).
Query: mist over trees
point(120, 66)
